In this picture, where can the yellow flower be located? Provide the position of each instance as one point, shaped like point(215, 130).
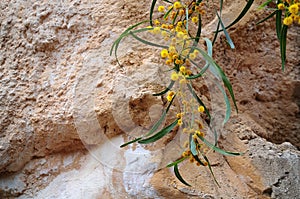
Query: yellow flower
point(195, 19)
point(164, 53)
point(161, 8)
point(294, 9)
point(174, 76)
point(156, 22)
point(177, 5)
point(201, 109)
point(169, 98)
point(181, 12)
point(172, 49)
point(280, 6)
point(164, 33)
point(171, 93)
point(180, 34)
point(169, 61)
point(156, 30)
point(192, 56)
point(288, 20)
point(199, 133)
point(177, 61)
point(182, 69)
point(179, 122)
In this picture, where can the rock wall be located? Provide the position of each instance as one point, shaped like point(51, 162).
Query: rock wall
point(65, 104)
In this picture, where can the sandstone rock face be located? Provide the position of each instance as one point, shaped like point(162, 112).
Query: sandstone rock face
point(66, 106)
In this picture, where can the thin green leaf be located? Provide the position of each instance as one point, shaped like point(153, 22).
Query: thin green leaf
point(166, 90)
point(179, 177)
point(132, 141)
point(200, 73)
point(225, 32)
point(199, 100)
point(198, 34)
point(227, 85)
point(167, 1)
point(160, 134)
point(176, 15)
point(265, 19)
point(228, 107)
point(217, 149)
point(278, 23)
point(151, 11)
point(187, 18)
point(242, 14)
point(211, 171)
point(167, 13)
point(263, 5)
point(218, 26)
point(162, 118)
point(283, 45)
point(177, 161)
point(121, 36)
point(218, 69)
point(124, 34)
point(198, 160)
point(146, 42)
point(193, 147)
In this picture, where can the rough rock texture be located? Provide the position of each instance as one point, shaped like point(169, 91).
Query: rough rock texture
point(64, 107)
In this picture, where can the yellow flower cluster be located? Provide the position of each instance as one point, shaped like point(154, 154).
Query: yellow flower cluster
point(178, 55)
point(291, 9)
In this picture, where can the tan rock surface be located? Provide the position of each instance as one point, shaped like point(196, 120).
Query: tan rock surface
point(64, 102)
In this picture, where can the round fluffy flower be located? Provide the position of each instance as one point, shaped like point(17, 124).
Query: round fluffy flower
point(174, 76)
point(201, 109)
point(182, 69)
point(195, 19)
point(288, 20)
point(280, 6)
point(177, 5)
point(164, 53)
point(294, 9)
point(161, 8)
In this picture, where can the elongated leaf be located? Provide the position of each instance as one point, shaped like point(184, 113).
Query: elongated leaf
point(154, 127)
point(226, 82)
point(167, 13)
point(228, 107)
point(187, 18)
point(116, 43)
point(227, 85)
point(174, 20)
point(217, 149)
point(162, 118)
point(211, 171)
point(242, 14)
point(177, 161)
point(193, 145)
point(278, 23)
point(151, 11)
point(218, 26)
point(124, 34)
point(132, 141)
point(166, 90)
point(179, 177)
point(146, 42)
point(199, 100)
point(265, 19)
point(200, 73)
point(263, 5)
point(198, 34)
point(283, 45)
point(160, 134)
point(225, 32)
